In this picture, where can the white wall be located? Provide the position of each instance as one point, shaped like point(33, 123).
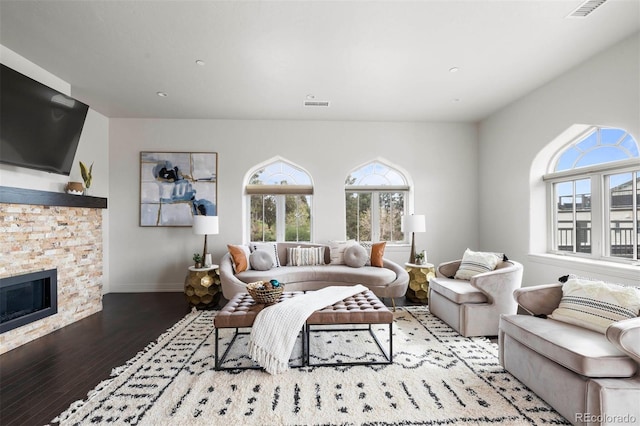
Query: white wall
point(604, 90)
point(92, 148)
point(441, 159)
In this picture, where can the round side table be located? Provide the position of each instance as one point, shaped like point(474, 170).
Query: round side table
point(419, 275)
point(202, 287)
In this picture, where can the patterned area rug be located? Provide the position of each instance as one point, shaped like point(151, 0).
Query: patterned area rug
point(438, 377)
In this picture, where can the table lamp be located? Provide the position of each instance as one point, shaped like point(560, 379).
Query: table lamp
point(413, 223)
point(205, 225)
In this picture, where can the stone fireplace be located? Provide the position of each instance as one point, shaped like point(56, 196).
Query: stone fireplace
point(49, 231)
point(27, 298)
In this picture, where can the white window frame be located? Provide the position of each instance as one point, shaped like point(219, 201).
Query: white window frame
point(598, 174)
point(375, 190)
point(279, 192)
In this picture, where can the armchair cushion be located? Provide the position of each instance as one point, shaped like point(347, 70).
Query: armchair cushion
point(476, 262)
point(595, 304)
point(458, 291)
point(583, 351)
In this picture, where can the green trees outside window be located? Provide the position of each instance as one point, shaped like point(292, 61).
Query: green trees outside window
point(280, 203)
point(375, 200)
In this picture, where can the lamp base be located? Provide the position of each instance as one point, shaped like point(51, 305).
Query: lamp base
point(412, 253)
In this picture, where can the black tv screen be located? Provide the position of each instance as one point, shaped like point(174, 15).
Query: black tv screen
point(39, 127)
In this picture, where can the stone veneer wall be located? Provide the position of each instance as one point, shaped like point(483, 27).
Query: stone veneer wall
point(36, 238)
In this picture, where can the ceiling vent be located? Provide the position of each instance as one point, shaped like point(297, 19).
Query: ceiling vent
point(316, 103)
point(586, 8)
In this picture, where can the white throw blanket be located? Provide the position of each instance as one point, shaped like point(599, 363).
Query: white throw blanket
point(276, 327)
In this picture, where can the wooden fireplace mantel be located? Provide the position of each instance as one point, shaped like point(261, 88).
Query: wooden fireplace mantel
point(10, 195)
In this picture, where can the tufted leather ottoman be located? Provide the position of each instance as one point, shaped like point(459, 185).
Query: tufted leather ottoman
point(362, 308)
point(240, 312)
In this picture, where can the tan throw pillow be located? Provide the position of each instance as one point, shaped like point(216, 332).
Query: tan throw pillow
point(377, 254)
point(595, 304)
point(240, 256)
point(476, 262)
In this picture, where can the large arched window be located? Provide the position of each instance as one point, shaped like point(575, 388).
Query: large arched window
point(280, 196)
point(594, 185)
point(376, 198)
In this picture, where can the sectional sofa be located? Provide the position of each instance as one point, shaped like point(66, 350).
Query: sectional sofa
point(390, 280)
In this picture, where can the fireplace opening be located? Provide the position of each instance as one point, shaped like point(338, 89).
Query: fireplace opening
point(27, 298)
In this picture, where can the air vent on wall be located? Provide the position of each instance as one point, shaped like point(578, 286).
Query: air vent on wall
point(316, 103)
point(586, 8)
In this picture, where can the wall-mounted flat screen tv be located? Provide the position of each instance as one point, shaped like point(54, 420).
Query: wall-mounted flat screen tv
point(39, 127)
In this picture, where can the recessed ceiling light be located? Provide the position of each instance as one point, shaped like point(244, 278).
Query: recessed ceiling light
point(454, 69)
point(200, 62)
point(162, 94)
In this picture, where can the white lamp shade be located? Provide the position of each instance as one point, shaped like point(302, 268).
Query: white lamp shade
point(205, 225)
point(413, 223)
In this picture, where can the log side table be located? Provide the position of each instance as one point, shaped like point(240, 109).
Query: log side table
point(202, 287)
point(419, 275)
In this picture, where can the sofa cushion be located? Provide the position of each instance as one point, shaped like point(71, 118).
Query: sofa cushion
point(367, 275)
point(458, 291)
point(583, 351)
point(240, 257)
point(271, 248)
point(355, 256)
point(261, 260)
point(305, 256)
point(337, 250)
point(595, 304)
point(476, 262)
point(377, 254)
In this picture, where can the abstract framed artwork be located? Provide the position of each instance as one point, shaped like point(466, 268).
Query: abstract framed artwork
point(175, 186)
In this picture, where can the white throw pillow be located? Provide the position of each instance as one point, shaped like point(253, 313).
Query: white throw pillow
point(355, 256)
point(305, 256)
point(337, 251)
point(261, 260)
point(271, 248)
point(596, 304)
point(476, 262)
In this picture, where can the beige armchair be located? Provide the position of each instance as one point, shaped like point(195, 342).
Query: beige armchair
point(473, 308)
point(589, 377)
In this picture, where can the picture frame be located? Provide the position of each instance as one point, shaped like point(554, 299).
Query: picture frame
point(174, 186)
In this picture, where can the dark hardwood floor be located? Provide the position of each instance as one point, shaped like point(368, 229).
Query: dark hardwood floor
point(41, 379)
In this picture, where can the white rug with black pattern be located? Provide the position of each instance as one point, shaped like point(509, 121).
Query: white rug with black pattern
point(438, 377)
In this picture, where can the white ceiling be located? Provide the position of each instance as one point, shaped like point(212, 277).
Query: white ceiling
point(373, 60)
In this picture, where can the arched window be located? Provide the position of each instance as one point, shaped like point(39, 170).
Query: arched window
point(376, 199)
point(280, 196)
point(595, 187)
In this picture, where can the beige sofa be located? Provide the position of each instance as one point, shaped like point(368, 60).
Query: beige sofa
point(588, 377)
point(389, 281)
